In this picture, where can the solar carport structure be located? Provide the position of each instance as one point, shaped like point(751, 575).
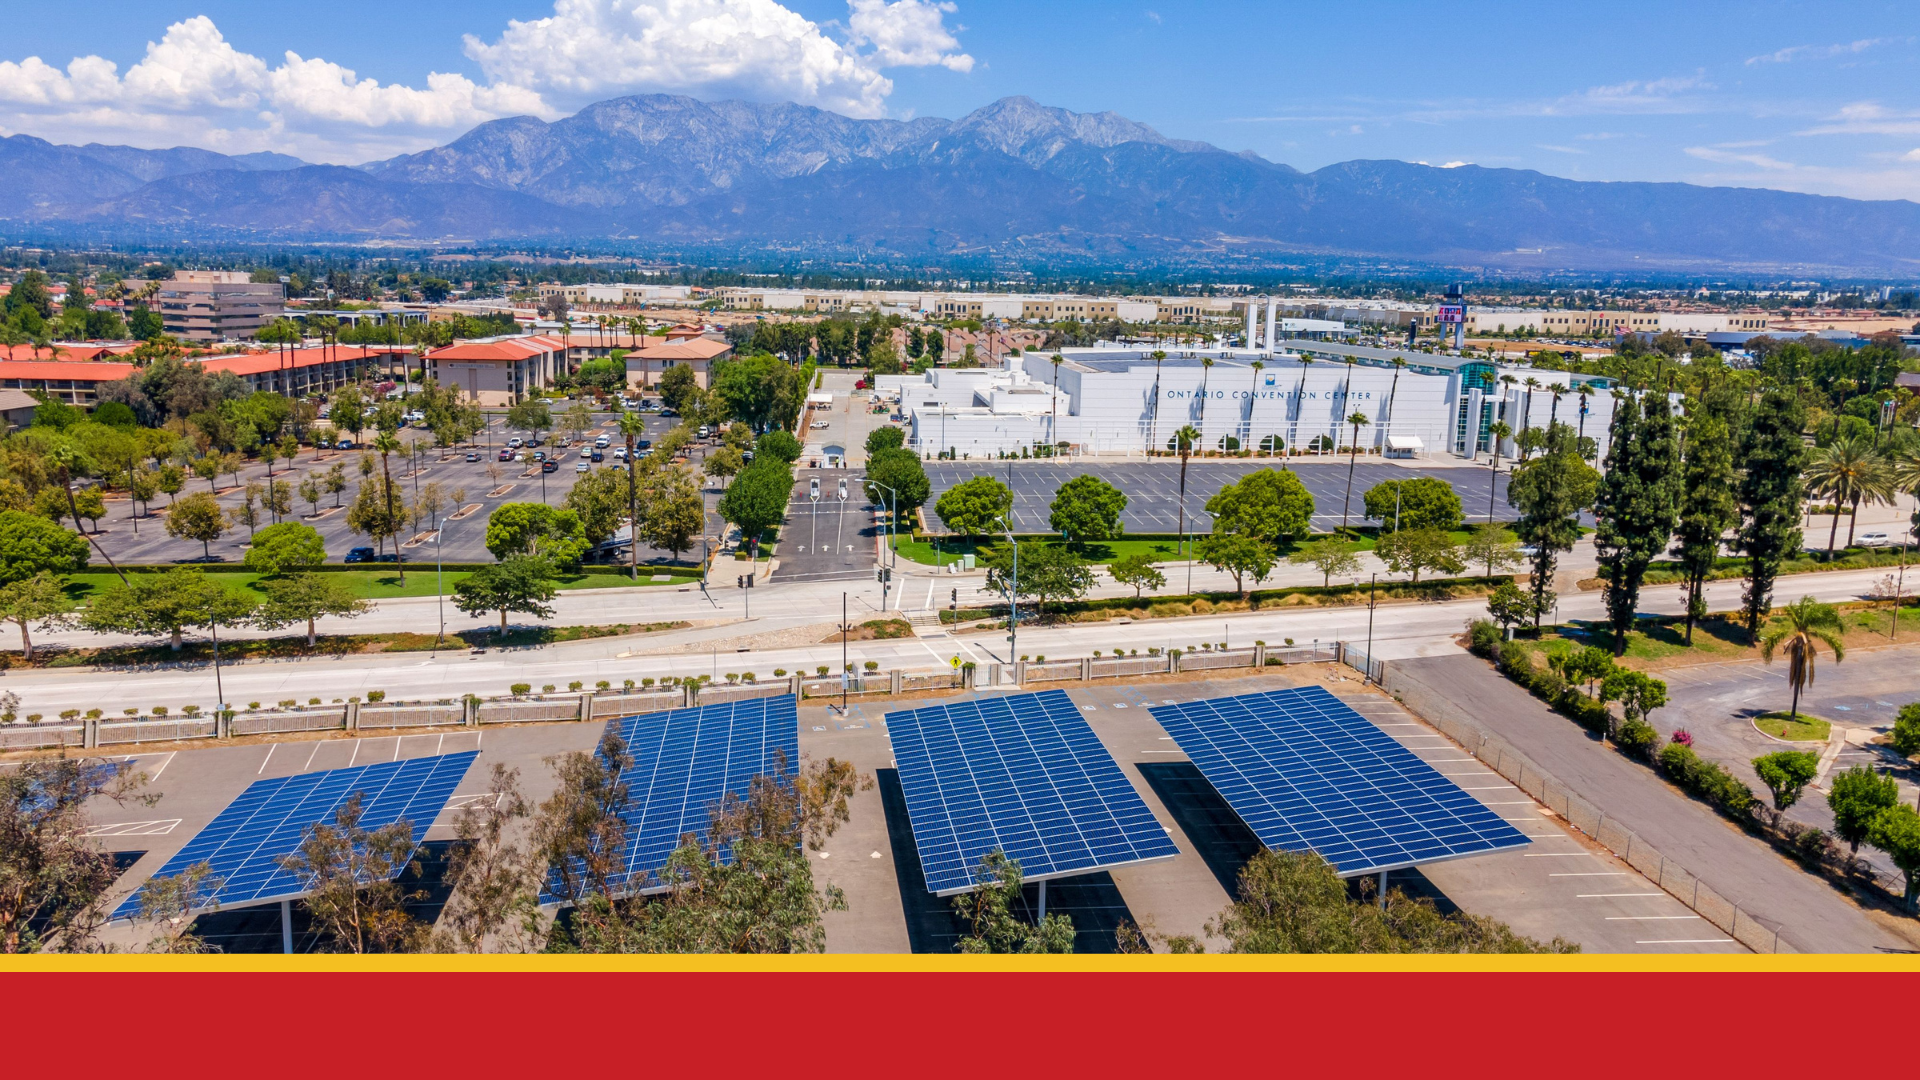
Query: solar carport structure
point(246, 841)
point(1308, 773)
point(684, 761)
point(1025, 774)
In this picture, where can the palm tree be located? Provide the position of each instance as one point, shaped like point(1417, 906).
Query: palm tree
point(1183, 441)
point(1876, 487)
point(386, 443)
point(1206, 375)
point(1258, 366)
point(1299, 401)
point(1805, 624)
point(1153, 425)
point(1053, 424)
point(1496, 431)
point(1582, 432)
point(1526, 414)
point(1841, 471)
point(1353, 454)
point(1398, 363)
point(1553, 411)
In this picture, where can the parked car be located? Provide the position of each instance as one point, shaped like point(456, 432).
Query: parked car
point(506, 455)
point(603, 442)
point(549, 466)
point(416, 417)
point(360, 555)
point(343, 444)
point(669, 412)
point(516, 442)
point(704, 431)
point(473, 457)
point(519, 455)
point(582, 467)
point(598, 454)
point(1874, 539)
point(619, 453)
point(642, 444)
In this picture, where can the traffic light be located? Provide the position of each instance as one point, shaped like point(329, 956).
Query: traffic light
point(739, 582)
point(956, 598)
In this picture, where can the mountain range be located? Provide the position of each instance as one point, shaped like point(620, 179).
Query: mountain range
point(1015, 178)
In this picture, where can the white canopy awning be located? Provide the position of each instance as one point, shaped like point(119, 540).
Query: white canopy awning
point(1404, 442)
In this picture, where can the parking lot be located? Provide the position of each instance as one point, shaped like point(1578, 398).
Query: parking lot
point(1560, 885)
point(481, 484)
point(1152, 488)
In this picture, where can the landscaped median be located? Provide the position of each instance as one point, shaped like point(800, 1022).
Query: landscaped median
point(382, 581)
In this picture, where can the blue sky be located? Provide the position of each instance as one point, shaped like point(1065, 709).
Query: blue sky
point(1808, 97)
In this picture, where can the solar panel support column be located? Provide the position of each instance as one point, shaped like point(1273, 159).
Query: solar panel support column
point(1383, 890)
point(1043, 905)
point(286, 926)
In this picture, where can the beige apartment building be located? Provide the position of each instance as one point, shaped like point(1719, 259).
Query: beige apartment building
point(218, 305)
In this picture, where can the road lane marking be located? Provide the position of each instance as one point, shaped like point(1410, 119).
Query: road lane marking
point(269, 757)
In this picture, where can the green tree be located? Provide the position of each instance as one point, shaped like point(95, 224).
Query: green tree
point(1422, 503)
point(975, 507)
point(172, 904)
point(1414, 550)
point(1786, 773)
point(1238, 555)
point(31, 545)
point(492, 878)
point(1087, 508)
point(1138, 571)
point(599, 500)
point(1856, 797)
point(907, 486)
point(885, 438)
point(532, 416)
point(1329, 555)
point(1270, 506)
point(1550, 491)
point(762, 390)
point(1770, 490)
point(1804, 626)
point(351, 876)
point(54, 877)
point(1357, 420)
point(1294, 902)
point(989, 912)
point(197, 517)
point(675, 512)
point(1906, 730)
point(1637, 505)
point(781, 445)
point(1183, 443)
point(536, 529)
point(1048, 572)
point(522, 583)
point(679, 388)
point(165, 604)
point(1896, 831)
point(1511, 606)
point(377, 511)
point(306, 597)
point(1709, 503)
point(577, 420)
point(40, 599)
point(757, 500)
point(1490, 546)
point(277, 549)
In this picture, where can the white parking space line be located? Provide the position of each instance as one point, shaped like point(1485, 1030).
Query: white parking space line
point(1595, 873)
point(1650, 918)
point(269, 757)
point(163, 766)
point(1688, 941)
point(310, 757)
point(1554, 854)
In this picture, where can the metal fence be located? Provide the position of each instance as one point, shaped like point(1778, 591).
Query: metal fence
point(278, 723)
point(1321, 652)
point(139, 731)
point(410, 716)
point(1215, 659)
point(628, 704)
point(1356, 658)
point(37, 736)
point(514, 712)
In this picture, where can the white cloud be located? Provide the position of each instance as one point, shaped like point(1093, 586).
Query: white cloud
point(1728, 157)
point(907, 33)
point(1867, 118)
point(1820, 52)
point(595, 47)
point(193, 86)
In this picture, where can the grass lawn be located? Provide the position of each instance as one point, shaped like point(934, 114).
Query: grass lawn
point(384, 584)
point(1803, 728)
point(1101, 553)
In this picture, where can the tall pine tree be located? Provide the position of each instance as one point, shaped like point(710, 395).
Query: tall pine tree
point(1771, 457)
point(1550, 491)
point(1636, 506)
point(1709, 505)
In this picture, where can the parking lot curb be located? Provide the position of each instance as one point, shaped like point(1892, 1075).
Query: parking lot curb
point(1673, 878)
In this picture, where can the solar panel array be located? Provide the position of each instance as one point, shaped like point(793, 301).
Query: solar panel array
point(1023, 773)
point(1307, 772)
point(684, 760)
point(245, 841)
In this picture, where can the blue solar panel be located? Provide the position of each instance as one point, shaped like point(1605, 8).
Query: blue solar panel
point(245, 841)
point(684, 760)
point(1306, 772)
point(1023, 773)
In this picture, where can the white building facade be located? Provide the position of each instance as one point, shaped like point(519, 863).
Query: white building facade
point(1120, 402)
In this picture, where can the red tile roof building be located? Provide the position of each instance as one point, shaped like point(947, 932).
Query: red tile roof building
point(499, 371)
point(302, 372)
point(76, 382)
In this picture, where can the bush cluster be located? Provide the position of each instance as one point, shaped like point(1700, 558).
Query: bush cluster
point(1706, 780)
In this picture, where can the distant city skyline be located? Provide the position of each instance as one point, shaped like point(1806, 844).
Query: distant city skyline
point(1802, 97)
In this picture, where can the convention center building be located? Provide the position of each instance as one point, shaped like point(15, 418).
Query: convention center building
point(1121, 401)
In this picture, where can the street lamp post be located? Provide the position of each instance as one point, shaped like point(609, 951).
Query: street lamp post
point(439, 589)
point(1013, 598)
